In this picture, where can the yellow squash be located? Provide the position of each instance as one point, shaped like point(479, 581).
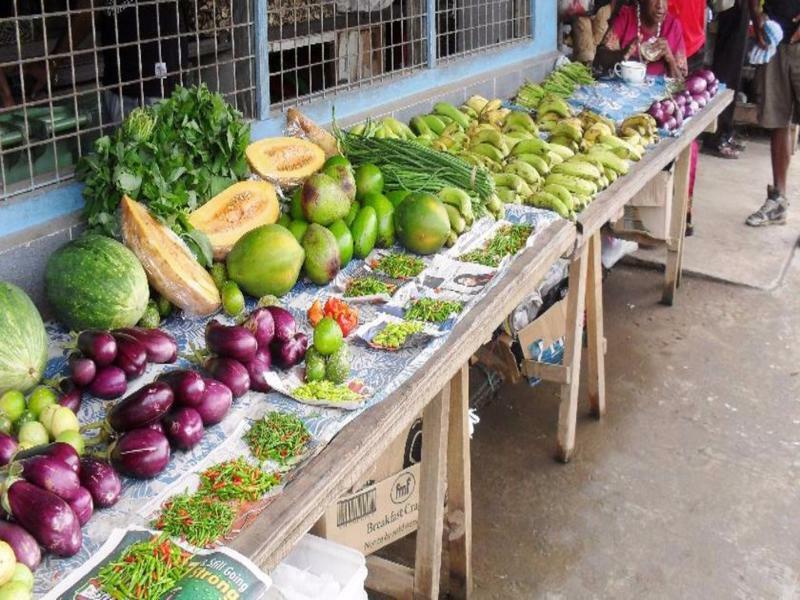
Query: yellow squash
point(285, 160)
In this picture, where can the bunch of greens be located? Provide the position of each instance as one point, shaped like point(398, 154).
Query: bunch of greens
point(173, 157)
point(508, 240)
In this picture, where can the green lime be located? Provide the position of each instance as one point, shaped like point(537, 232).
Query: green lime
point(73, 438)
point(15, 590)
point(334, 161)
point(232, 298)
point(32, 434)
point(327, 336)
point(25, 417)
point(41, 397)
point(12, 404)
point(22, 574)
point(369, 179)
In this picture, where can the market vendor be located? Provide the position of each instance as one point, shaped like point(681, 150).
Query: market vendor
point(645, 31)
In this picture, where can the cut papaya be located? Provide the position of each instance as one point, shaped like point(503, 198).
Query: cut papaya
point(235, 211)
point(285, 160)
point(168, 262)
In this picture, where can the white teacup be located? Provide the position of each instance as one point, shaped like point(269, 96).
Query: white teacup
point(630, 71)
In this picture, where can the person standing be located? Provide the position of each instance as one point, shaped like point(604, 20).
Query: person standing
point(730, 49)
point(778, 108)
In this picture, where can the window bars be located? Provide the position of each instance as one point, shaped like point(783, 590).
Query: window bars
point(70, 70)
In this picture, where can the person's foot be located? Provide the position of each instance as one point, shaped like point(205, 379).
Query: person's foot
point(772, 212)
point(726, 150)
point(737, 145)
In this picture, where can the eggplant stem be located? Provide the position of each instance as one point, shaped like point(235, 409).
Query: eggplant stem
point(96, 440)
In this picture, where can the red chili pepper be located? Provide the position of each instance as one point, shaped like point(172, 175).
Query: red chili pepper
point(315, 313)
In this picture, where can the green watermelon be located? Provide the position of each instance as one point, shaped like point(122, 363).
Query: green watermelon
point(94, 282)
point(23, 353)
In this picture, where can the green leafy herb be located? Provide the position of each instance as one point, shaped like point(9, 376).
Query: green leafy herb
point(394, 335)
point(400, 266)
point(367, 286)
point(508, 240)
point(237, 480)
point(326, 390)
point(432, 310)
point(146, 570)
point(197, 518)
point(173, 156)
point(278, 436)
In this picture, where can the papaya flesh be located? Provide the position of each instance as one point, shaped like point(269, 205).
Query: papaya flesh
point(171, 269)
point(285, 160)
point(235, 211)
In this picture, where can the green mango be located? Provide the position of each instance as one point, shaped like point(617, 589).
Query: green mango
point(384, 211)
point(345, 240)
point(298, 229)
point(365, 231)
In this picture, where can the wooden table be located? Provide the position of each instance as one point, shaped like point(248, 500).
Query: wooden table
point(439, 389)
point(585, 272)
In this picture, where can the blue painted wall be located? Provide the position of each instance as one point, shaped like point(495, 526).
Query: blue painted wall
point(37, 209)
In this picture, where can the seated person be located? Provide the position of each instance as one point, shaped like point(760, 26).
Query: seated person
point(589, 31)
point(646, 32)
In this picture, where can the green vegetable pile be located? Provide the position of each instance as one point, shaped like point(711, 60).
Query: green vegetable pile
point(561, 82)
point(395, 334)
point(197, 518)
point(173, 157)
point(326, 390)
point(367, 286)
point(508, 240)
point(400, 266)
point(432, 310)
point(278, 436)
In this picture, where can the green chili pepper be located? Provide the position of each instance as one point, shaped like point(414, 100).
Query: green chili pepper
point(508, 240)
point(278, 436)
point(367, 286)
point(395, 334)
point(432, 310)
point(400, 266)
point(326, 390)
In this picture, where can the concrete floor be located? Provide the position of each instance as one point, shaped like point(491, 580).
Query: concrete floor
point(689, 488)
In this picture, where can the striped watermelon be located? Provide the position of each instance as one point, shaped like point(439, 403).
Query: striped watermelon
point(94, 282)
point(23, 353)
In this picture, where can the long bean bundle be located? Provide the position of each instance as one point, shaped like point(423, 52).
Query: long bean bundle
point(408, 165)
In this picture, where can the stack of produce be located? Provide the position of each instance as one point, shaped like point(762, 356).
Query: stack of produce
point(699, 88)
point(16, 577)
point(561, 82)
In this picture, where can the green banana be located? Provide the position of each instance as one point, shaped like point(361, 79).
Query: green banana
point(550, 202)
point(517, 134)
point(562, 193)
point(610, 174)
point(563, 142)
point(460, 200)
point(562, 151)
point(576, 185)
point(520, 120)
point(554, 104)
point(578, 169)
point(451, 240)
point(507, 195)
point(448, 110)
point(620, 147)
point(536, 161)
point(489, 136)
point(587, 159)
point(420, 127)
point(569, 131)
point(434, 123)
point(457, 222)
point(514, 182)
point(400, 129)
point(532, 146)
point(488, 150)
point(467, 110)
point(609, 159)
point(554, 158)
point(358, 129)
point(494, 203)
point(524, 170)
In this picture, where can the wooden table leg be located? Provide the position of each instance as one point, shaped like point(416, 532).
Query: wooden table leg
point(430, 528)
point(680, 203)
point(573, 341)
point(459, 493)
point(594, 329)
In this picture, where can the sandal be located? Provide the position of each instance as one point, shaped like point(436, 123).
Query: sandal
point(737, 145)
point(726, 150)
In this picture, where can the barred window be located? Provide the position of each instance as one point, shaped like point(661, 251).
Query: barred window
point(467, 26)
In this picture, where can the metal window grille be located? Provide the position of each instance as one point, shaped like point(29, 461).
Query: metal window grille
point(319, 47)
point(464, 27)
point(70, 70)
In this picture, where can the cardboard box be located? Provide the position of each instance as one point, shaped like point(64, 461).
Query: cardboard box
point(548, 327)
point(650, 211)
point(376, 515)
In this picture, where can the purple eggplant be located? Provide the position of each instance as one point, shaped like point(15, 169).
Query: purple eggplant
point(82, 370)
point(109, 383)
point(285, 325)
point(262, 326)
point(160, 346)
point(48, 518)
point(141, 453)
point(230, 372)
point(82, 505)
point(98, 345)
point(70, 395)
point(25, 548)
point(258, 367)
point(187, 386)
point(231, 341)
point(51, 474)
point(131, 356)
point(8, 448)
point(184, 428)
point(288, 354)
point(146, 405)
point(59, 450)
point(101, 480)
point(216, 402)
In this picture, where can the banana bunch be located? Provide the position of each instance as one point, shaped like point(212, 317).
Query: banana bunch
point(552, 109)
point(458, 205)
point(640, 129)
point(589, 118)
point(568, 133)
point(482, 110)
point(388, 127)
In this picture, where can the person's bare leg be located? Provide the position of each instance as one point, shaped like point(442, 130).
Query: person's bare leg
point(781, 151)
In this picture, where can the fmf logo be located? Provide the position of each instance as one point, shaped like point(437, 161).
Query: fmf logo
point(403, 487)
